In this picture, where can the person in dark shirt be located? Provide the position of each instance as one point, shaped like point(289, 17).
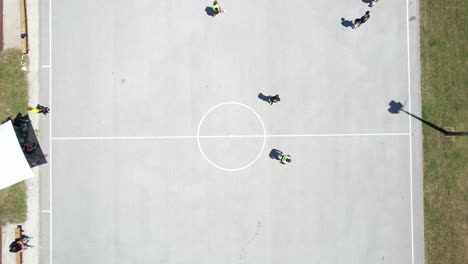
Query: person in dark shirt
point(17, 246)
point(274, 99)
point(20, 244)
point(362, 20)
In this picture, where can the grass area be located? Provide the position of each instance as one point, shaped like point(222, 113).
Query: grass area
point(13, 99)
point(444, 61)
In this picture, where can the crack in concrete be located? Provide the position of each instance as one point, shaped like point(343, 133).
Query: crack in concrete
point(243, 254)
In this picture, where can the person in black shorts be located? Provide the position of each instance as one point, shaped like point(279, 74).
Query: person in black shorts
point(362, 20)
point(274, 99)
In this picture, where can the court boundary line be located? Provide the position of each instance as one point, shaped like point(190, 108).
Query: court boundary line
point(51, 218)
point(230, 136)
point(410, 130)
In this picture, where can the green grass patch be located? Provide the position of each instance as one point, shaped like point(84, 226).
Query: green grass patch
point(13, 99)
point(444, 61)
point(13, 204)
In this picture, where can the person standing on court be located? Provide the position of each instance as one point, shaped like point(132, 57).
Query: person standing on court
point(362, 20)
point(274, 99)
point(216, 8)
point(285, 159)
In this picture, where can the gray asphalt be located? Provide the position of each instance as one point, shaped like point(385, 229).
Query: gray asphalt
point(155, 68)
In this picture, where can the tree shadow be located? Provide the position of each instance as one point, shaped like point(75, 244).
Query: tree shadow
point(397, 107)
point(210, 11)
point(347, 23)
point(263, 97)
point(276, 154)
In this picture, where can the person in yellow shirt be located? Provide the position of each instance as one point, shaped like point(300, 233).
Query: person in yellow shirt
point(39, 109)
point(34, 110)
point(285, 159)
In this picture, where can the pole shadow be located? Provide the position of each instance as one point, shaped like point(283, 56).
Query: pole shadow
point(397, 107)
point(265, 98)
point(347, 23)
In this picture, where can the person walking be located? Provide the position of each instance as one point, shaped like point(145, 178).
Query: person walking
point(274, 99)
point(285, 159)
point(216, 8)
point(362, 20)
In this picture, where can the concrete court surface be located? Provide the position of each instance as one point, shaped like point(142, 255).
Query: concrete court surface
point(132, 84)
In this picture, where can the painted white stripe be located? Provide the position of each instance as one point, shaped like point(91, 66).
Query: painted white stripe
point(46, 211)
point(51, 218)
point(344, 135)
point(410, 129)
point(234, 136)
point(45, 66)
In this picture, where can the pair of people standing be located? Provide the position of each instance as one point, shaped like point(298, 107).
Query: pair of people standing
point(359, 21)
point(277, 154)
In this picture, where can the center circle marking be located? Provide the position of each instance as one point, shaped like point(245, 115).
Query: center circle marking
point(203, 119)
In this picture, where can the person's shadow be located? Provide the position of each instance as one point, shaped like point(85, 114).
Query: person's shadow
point(263, 97)
point(369, 2)
point(276, 154)
point(210, 11)
point(347, 23)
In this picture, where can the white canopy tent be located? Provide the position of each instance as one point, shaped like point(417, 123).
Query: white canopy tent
point(13, 165)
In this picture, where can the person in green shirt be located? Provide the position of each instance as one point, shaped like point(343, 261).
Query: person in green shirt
point(285, 159)
point(216, 8)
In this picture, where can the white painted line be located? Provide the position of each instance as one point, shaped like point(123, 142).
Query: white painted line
point(123, 138)
point(51, 218)
point(410, 129)
point(45, 66)
point(234, 136)
point(263, 136)
point(46, 211)
point(344, 135)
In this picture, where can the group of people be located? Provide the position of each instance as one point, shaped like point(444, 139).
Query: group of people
point(359, 21)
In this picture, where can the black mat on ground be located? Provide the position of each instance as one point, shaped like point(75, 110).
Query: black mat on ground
point(28, 140)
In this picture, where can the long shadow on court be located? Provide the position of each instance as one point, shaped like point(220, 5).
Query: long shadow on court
point(396, 107)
